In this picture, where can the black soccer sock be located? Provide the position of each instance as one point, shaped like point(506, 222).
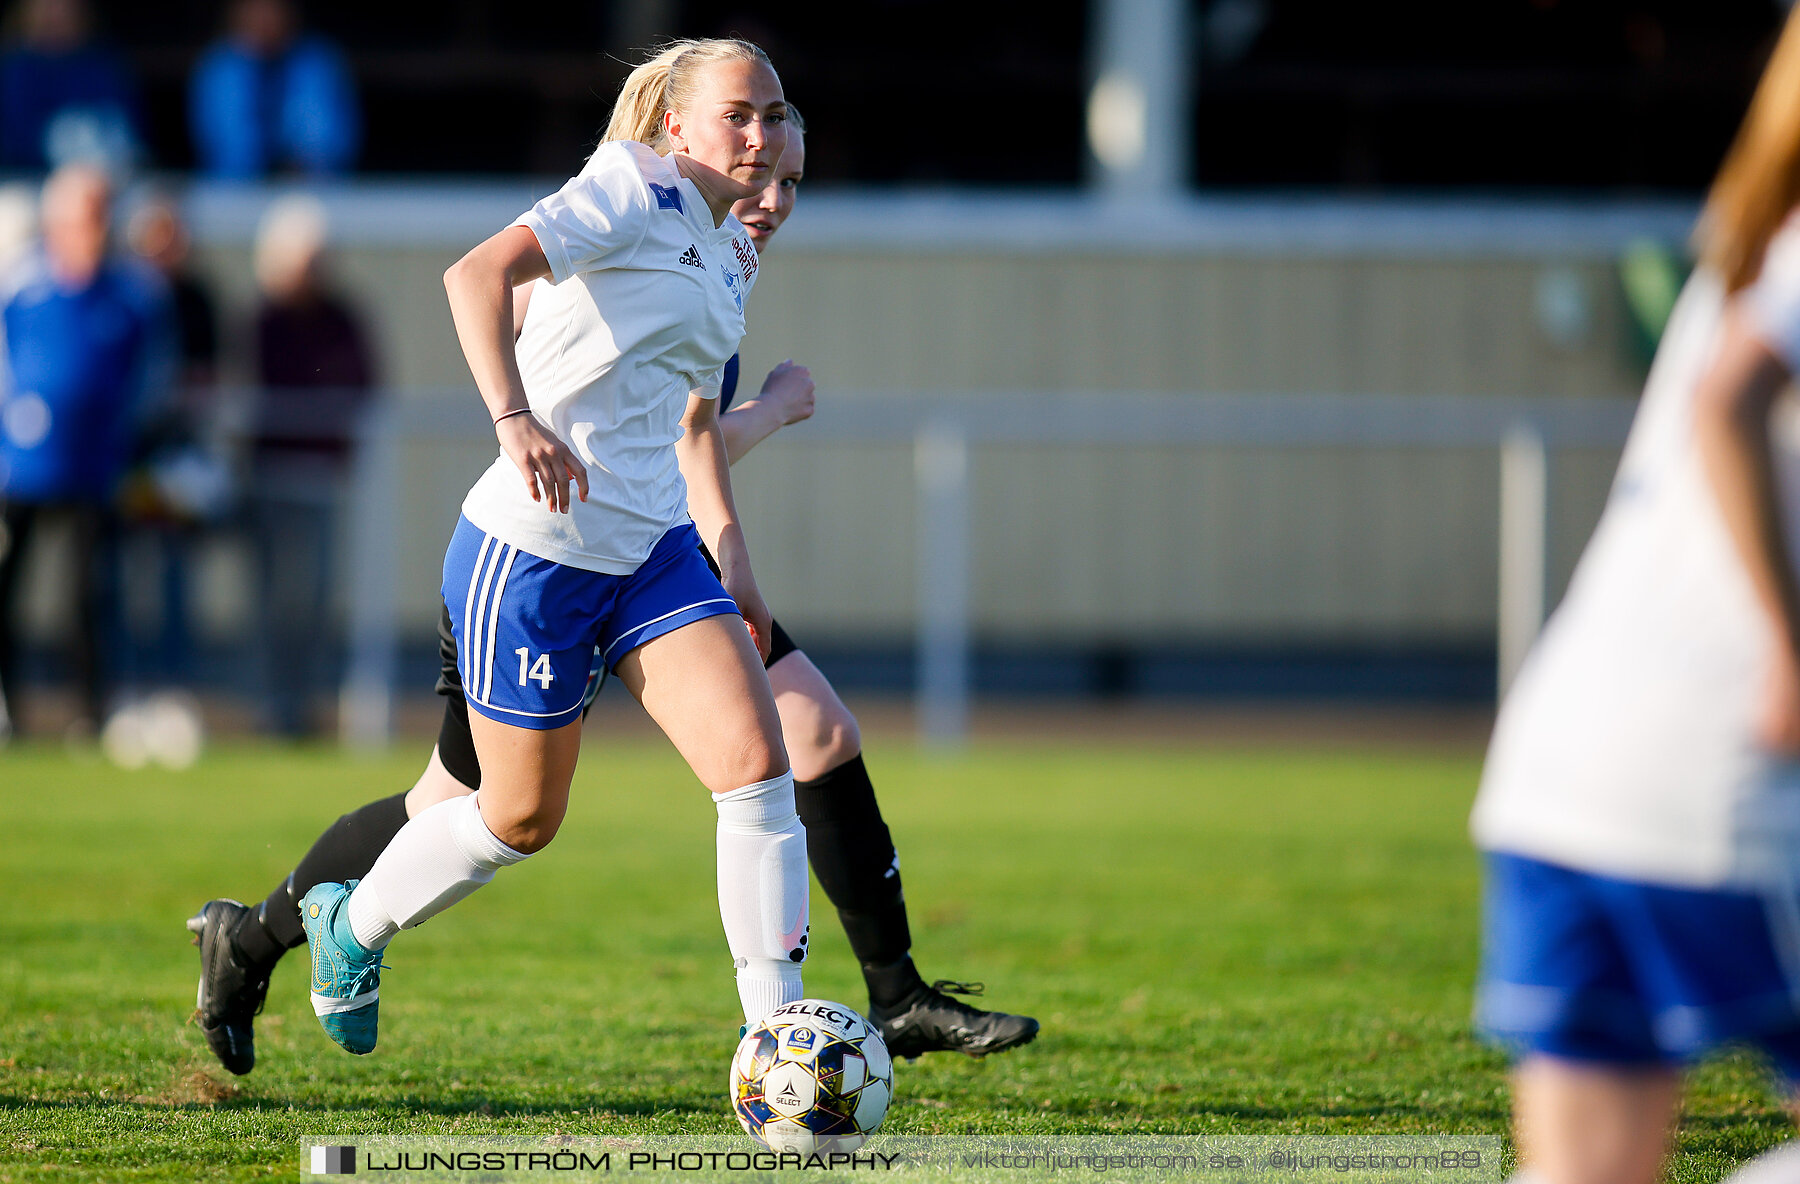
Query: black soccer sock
point(346, 851)
point(853, 856)
point(456, 743)
point(891, 984)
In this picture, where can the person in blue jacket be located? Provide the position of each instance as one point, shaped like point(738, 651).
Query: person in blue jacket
point(64, 95)
point(87, 346)
point(268, 98)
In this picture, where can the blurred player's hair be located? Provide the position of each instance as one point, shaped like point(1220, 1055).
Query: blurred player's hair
point(1759, 184)
point(666, 83)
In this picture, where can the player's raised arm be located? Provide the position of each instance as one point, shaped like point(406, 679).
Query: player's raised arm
point(786, 398)
point(480, 287)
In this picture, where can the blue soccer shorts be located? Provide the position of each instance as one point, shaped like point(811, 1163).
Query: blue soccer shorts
point(1588, 968)
point(527, 629)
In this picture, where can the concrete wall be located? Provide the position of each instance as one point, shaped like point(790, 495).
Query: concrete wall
point(1079, 543)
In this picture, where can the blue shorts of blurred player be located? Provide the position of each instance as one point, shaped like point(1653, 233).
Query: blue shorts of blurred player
point(1587, 968)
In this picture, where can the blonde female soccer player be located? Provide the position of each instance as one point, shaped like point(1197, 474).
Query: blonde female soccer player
point(848, 843)
point(1640, 809)
point(578, 537)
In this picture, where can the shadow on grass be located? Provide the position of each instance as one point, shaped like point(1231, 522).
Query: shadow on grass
point(484, 1105)
point(1495, 1113)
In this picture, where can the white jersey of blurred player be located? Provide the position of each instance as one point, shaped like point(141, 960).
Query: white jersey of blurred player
point(1628, 745)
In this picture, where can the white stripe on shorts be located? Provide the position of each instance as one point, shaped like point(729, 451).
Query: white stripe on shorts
point(462, 657)
point(475, 625)
point(477, 640)
point(576, 706)
point(494, 621)
point(638, 628)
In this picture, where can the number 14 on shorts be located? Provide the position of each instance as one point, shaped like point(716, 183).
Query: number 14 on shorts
point(539, 670)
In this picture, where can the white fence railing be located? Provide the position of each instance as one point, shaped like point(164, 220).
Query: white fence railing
point(946, 430)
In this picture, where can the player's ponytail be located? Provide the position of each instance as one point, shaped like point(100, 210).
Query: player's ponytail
point(1759, 184)
point(637, 112)
point(666, 82)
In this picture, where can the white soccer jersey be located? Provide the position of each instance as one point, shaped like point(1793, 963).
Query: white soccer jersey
point(1628, 745)
point(645, 303)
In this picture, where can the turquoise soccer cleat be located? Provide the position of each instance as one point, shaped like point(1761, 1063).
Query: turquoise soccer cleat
point(345, 976)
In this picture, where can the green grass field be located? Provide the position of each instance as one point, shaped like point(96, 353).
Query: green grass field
point(1216, 942)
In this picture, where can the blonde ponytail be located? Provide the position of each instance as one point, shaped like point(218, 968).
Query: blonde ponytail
point(1759, 184)
point(666, 82)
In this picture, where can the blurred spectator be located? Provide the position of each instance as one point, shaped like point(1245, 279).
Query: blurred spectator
point(160, 238)
point(267, 98)
point(181, 481)
point(86, 349)
point(18, 222)
point(63, 97)
point(316, 376)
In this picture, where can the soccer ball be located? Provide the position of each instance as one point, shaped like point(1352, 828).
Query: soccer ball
point(813, 1076)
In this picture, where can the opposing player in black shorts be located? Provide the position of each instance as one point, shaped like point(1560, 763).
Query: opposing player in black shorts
point(847, 841)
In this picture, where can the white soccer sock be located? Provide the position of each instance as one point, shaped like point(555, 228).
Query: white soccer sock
point(763, 892)
point(1779, 1166)
point(764, 984)
point(437, 859)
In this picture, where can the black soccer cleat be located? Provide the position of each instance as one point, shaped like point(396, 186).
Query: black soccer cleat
point(231, 992)
point(929, 1020)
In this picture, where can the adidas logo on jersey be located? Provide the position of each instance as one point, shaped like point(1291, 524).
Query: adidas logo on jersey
point(691, 258)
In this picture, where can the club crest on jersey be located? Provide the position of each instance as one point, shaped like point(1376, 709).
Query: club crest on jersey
point(731, 282)
point(746, 257)
point(691, 258)
point(667, 197)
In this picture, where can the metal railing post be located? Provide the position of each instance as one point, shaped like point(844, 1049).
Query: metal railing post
point(941, 464)
point(1524, 545)
point(366, 698)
